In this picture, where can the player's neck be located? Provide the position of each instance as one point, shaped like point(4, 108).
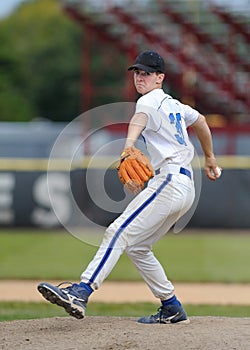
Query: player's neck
point(156, 88)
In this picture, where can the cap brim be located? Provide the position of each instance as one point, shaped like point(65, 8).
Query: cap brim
point(142, 67)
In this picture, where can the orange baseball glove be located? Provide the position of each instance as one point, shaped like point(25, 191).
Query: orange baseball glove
point(134, 170)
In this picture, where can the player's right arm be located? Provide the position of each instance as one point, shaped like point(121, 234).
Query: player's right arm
point(203, 133)
point(136, 125)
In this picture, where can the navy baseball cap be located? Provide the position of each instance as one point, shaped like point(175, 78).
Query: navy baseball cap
point(149, 61)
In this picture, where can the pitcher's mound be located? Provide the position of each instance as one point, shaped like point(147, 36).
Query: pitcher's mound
point(123, 333)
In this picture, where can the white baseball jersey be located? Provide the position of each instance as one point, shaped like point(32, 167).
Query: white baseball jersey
point(166, 130)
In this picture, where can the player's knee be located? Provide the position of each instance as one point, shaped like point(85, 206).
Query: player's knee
point(137, 252)
point(110, 232)
point(117, 240)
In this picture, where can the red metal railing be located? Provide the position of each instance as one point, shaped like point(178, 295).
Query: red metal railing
point(229, 19)
point(205, 38)
point(222, 86)
point(223, 94)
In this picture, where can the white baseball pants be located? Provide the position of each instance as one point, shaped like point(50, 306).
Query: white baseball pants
point(147, 218)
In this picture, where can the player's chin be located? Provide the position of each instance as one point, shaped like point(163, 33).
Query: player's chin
point(140, 89)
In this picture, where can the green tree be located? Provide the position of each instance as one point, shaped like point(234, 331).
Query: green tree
point(13, 103)
point(39, 63)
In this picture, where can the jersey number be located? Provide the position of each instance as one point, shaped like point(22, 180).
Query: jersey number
point(176, 119)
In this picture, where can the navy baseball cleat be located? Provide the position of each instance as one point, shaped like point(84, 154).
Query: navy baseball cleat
point(167, 314)
point(74, 298)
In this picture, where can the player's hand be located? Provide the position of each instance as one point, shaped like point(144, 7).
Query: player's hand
point(212, 170)
point(134, 170)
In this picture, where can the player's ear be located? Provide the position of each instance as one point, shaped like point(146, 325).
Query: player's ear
point(160, 77)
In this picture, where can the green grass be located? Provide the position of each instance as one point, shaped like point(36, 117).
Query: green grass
point(192, 256)
point(20, 311)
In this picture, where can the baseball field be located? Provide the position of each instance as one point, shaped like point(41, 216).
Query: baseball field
point(210, 269)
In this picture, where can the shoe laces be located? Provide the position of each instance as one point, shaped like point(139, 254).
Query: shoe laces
point(159, 313)
point(70, 288)
point(66, 283)
point(75, 290)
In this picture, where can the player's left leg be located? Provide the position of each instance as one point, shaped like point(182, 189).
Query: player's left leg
point(74, 298)
point(129, 228)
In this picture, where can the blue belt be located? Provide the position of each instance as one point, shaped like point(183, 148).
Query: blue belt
point(182, 171)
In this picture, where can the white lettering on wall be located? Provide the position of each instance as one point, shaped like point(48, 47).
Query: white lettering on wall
point(52, 199)
point(7, 184)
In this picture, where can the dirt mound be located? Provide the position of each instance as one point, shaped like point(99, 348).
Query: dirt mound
point(122, 333)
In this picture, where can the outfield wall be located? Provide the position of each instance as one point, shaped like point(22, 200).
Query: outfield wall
point(27, 199)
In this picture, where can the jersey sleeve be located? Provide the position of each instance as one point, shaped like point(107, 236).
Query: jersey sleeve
point(190, 115)
point(146, 105)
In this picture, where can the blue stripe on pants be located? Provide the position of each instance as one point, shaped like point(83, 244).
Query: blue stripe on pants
point(125, 224)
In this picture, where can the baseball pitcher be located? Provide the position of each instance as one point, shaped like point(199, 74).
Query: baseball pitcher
point(169, 193)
